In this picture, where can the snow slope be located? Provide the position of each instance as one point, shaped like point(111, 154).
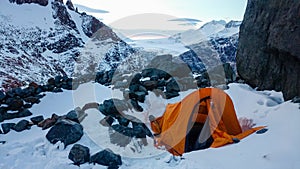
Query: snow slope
point(276, 149)
point(38, 42)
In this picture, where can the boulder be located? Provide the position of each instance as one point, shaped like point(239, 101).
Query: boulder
point(66, 131)
point(37, 119)
point(172, 86)
point(24, 113)
point(72, 115)
point(6, 127)
point(49, 122)
point(79, 154)
point(113, 107)
point(22, 125)
point(107, 158)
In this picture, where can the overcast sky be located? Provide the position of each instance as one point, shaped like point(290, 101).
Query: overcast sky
point(204, 10)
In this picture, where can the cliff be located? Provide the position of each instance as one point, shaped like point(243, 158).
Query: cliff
point(268, 56)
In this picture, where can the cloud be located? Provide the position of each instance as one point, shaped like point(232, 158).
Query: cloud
point(186, 20)
point(88, 9)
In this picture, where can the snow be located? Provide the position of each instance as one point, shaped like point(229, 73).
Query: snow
point(276, 149)
point(213, 29)
point(160, 46)
point(27, 14)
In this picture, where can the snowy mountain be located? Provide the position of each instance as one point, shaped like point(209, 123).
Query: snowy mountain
point(213, 44)
point(43, 38)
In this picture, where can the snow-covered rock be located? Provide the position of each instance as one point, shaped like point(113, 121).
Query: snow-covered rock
point(45, 38)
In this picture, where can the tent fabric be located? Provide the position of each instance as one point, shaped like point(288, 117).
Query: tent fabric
point(212, 108)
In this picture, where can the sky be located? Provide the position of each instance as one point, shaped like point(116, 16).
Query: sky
point(128, 14)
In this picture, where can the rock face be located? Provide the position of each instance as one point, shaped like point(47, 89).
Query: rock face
point(269, 54)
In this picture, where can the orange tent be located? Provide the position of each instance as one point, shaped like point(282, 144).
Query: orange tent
point(205, 118)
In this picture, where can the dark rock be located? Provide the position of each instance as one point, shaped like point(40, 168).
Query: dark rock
point(268, 56)
point(136, 79)
point(32, 99)
point(154, 78)
point(40, 2)
point(21, 125)
point(70, 5)
point(58, 81)
point(153, 72)
point(49, 122)
point(2, 142)
point(14, 103)
point(172, 86)
point(149, 84)
point(60, 13)
point(37, 119)
point(51, 81)
point(123, 121)
point(139, 96)
point(39, 90)
point(57, 90)
point(161, 83)
point(136, 105)
point(29, 91)
point(72, 115)
point(296, 99)
point(172, 94)
point(34, 85)
point(6, 127)
point(66, 131)
point(262, 131)
point(113, 107)
point(2, 96)
point(10, 93)
point(19, 92)
point(107, 121)
point(48, 87)
point(79, 154)
point(141, 130)
point(27, 106)
point(106, 158)
point(24, 113)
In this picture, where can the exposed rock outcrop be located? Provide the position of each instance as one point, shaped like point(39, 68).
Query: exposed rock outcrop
point(269, 54)
point(40, 2)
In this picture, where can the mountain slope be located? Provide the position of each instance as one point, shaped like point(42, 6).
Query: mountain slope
point(45, 38)
point(213, 44)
